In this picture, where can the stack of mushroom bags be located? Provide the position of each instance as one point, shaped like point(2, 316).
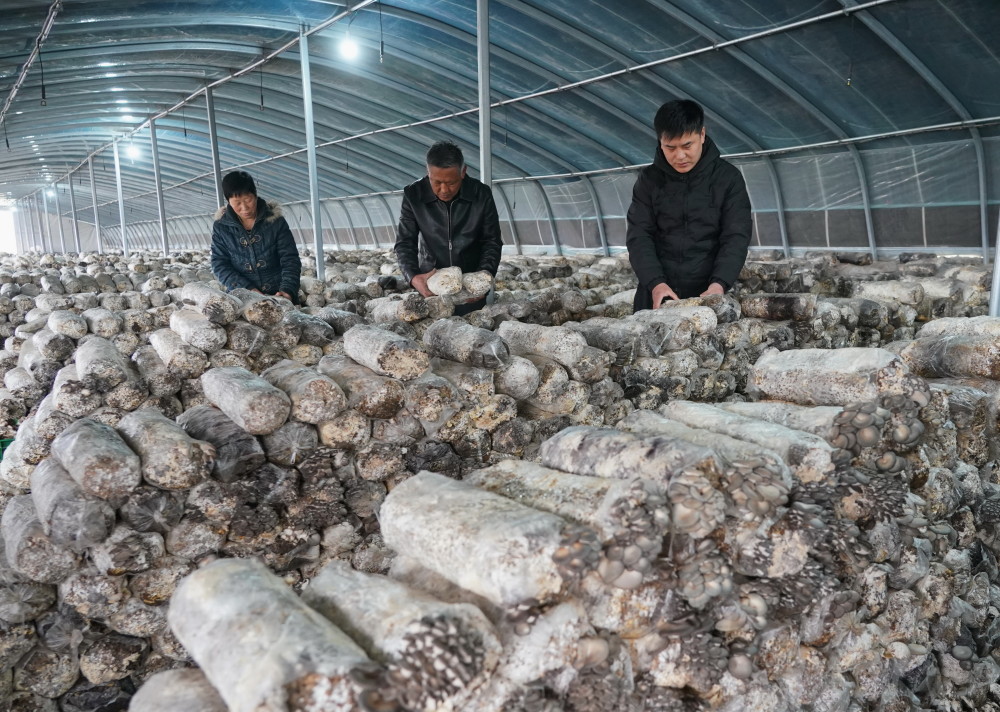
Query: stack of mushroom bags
point(545, 558)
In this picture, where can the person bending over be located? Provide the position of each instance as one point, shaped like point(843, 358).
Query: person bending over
point(252, 245)
point(689, 224)
point(447, 219)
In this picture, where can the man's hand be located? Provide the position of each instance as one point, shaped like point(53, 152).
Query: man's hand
point(661, 293)
point(419, 282)
point(286, 295)
point(713, 288)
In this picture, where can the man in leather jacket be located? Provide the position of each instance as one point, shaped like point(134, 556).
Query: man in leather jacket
point(447, 219)
point(252, 245)
point(689, 223)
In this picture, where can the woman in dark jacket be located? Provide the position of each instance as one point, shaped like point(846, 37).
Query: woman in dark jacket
point(252, 245)
point(689, 223)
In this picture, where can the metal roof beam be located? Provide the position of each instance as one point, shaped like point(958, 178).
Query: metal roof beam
point(43, 34)
point(244, 70)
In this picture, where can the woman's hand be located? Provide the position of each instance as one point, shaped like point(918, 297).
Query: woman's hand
point(286, 295)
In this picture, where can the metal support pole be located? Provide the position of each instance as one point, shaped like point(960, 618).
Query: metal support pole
point(62, 235)
point(18, 228)
point(865, 200)
point(307, 113)
point(598, 214)
point(483, 57)
point(121, 201)
point(41, 223)
point(155, 153)
point(984, 219)
point(779, 205)
point(498, 193)
point(29, 233)
point(49, 247)
point(36, 223)
point(995, 289)
point(213, 140)
point(72, 207)
point(97, 215)
point(29, 220)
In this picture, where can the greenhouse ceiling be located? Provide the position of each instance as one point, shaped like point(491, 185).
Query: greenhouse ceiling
point(573, 86)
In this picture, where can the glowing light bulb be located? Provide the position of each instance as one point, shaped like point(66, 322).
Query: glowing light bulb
point(132, 151)
point(348, 48)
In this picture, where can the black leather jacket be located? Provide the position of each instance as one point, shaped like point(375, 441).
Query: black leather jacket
point(264, 257)
point(688, 229)
point(464, 232)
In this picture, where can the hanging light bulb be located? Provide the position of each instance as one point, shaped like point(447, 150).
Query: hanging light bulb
point(348, 47)
point(132, 151)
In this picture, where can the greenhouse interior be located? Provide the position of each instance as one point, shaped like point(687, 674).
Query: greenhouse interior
point(678, 319)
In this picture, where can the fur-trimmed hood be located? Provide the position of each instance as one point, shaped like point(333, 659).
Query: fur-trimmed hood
point(271, 211)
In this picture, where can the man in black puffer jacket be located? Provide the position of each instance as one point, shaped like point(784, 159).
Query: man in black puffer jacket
point(689, 223)
point(252, 245)
point(447, 219)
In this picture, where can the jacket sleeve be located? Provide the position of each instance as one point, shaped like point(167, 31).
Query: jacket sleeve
point(639, 236)
point(222, 264)
point(406, 241)
point(492, 248)
point(735, 233)
point(288, 258)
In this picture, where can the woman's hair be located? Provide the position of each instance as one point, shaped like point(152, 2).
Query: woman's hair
point(679, 117)
point(445, 154)
point(238, 183)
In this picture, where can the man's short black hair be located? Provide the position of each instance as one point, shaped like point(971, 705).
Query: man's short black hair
point(678, 117)
point(445, 154)
point(238, 183)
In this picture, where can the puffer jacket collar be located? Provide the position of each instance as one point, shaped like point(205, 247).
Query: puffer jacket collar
point(709, 154)
point(267, 211)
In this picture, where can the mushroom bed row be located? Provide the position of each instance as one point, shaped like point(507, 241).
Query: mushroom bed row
point(784, 498)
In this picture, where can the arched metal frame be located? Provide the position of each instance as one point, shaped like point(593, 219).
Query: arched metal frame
point(552, 218)
point(388, 211)
point(498, 192)
point(97, 216)
point(59, 222)
point(158, 183)
point(347, 216)
point(371, 224)
point(332, 224)
point(49, 246)
point(598, 215)
point(894, 43)
point(307, 115)
point(861, 10)
point(72, 207)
